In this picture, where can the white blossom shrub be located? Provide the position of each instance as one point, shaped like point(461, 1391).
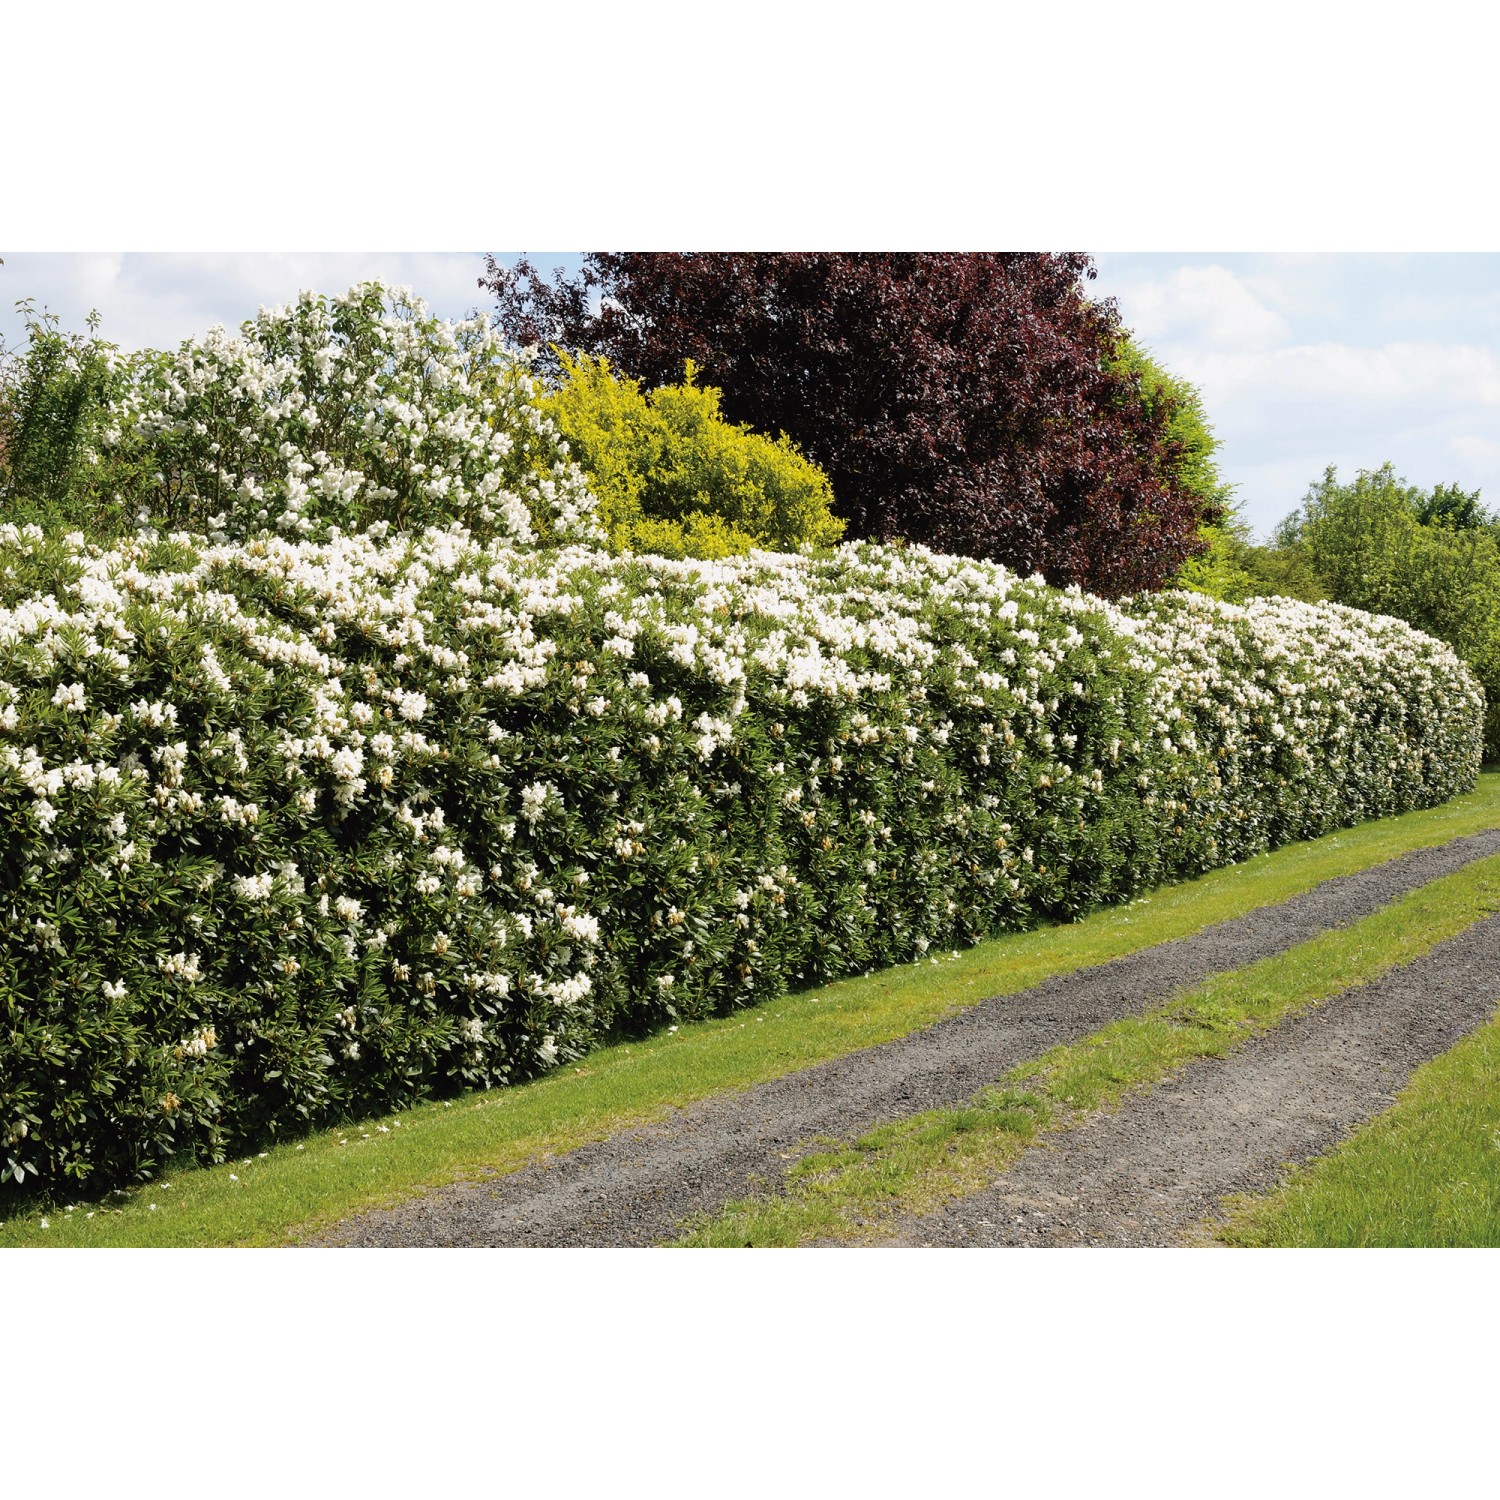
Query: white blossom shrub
point(329, 413)
point(301, 829)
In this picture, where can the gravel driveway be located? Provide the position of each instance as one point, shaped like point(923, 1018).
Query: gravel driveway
point(1160, 1165)
point(636, 1188)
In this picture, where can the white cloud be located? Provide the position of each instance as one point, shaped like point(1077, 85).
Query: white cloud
point(1476, 453)
point(1208, 307)
point(1309, 360)
point(157, 300)
point(1283, 414)
point(1444, 307)
point(1338, 388)
point(1298, 286)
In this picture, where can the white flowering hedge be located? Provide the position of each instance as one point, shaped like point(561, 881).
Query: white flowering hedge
point(295, 830)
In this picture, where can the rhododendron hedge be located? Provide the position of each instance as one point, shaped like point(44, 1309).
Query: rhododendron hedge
point(298, 830)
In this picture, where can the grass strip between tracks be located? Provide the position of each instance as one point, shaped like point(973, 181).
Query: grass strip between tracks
point(299, 1187)
point(854, 1193)
point(1425, 1174)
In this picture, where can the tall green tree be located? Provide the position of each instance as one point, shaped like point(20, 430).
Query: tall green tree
point(1429, 557)
point(1189, 456)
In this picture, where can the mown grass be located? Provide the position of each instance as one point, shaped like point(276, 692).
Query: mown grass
point(1425, 1174)
point(297, 1188)
point(853, 1193)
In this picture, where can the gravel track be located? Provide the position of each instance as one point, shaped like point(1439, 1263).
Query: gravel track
point(1153, 1172)
point(636, 1188)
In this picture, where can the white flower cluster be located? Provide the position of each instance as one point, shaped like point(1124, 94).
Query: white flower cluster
point(385, 815)
point(343, 412)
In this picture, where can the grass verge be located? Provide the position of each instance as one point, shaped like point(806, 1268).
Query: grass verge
point(1423, 1175)
point(298, 1188)
point(852, 1193)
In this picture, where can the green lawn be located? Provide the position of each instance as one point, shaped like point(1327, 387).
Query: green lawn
point(297, 1188)
point(1426, 1173)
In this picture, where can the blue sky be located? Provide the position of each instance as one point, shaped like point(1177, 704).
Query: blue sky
point(1303, 360)
point(1317, 359)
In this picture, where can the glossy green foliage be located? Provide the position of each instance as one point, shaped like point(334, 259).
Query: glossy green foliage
point(296, 831)
point(1428, 557)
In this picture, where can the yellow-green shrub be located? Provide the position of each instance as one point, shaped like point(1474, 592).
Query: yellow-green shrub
point(674, 478)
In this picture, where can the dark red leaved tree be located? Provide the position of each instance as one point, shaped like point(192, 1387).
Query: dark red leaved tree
point(967, 401)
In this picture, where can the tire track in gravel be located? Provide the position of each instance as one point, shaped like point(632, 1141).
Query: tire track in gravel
point(1155, 1170)
point(635, 1188)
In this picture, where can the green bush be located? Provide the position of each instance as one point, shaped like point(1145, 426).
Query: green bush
point(1429, 558)
point(675, 479)
point(299, 831)
point(54, 397)
point(1279, 571)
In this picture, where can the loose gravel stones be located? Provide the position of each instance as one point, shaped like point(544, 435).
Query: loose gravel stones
point(1155, 1169)
point(639, 1186)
